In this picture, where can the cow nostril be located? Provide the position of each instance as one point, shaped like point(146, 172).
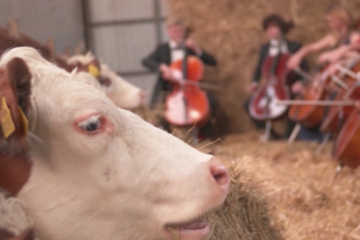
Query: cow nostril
point(220, 173)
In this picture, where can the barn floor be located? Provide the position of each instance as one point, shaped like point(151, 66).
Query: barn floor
point(305, 200)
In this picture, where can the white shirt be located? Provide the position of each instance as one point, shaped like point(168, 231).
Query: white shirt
point(176, 54)
point(274, 48)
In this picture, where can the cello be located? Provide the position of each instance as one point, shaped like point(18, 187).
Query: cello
point(318, 89)
point(337, 115)
point(187, 105)
point(346, 148)
point(263, 101)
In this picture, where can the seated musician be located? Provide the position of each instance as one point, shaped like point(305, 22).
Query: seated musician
point(342, 33)
point(166, 53)
point(276, 28)
point(342, 52)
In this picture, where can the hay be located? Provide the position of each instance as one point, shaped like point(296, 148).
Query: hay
point(305, 201)
point(244, 215)
point(231, 30)
point(153, 116)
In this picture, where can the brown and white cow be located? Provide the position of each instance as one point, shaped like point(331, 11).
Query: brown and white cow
point(122, 93)
point(100, 172)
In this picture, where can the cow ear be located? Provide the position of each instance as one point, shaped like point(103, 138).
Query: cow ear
point(20, 78)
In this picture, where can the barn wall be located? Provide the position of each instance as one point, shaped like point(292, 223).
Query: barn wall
point(42, 19)
point(231, 30)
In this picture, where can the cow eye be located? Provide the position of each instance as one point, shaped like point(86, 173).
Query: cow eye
point(91, 124)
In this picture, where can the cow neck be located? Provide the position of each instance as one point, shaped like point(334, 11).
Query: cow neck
point(14, 172)
point(15, 166)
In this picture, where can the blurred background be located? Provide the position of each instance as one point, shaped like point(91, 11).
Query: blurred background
point(122, 32)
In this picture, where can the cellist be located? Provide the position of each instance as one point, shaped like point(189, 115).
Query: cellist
point(342, 52)
point(342, 33)
point(166, 53)
point(276, 29)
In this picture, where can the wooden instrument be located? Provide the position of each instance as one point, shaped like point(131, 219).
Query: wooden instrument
point(337, 115)
point(346, 148)
point(262, 103)
point(311, 115)
point(187, 104)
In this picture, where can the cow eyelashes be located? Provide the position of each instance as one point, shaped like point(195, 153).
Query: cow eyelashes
point(91, 124)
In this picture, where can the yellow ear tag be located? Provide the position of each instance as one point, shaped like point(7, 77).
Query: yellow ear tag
point(24, 121)
point(7, 123)
point(93, 70)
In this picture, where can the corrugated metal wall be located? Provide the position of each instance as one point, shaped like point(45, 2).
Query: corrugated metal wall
point(122, 32)
point(42, 19)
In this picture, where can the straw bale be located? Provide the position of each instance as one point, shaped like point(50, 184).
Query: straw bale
point(231, 30)
point(244, 215)
point(305, 199)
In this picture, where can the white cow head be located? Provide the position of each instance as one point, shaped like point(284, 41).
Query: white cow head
point(121, 92)
point(100, 172)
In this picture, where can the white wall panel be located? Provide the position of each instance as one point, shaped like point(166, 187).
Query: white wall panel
point(42, 19)
point(124, 32)
point(123, 47)
point(164, 8)
point(115, 10)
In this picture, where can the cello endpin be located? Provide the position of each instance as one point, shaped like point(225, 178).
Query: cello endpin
point(338, 170)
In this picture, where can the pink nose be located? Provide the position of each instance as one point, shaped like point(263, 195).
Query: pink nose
point(142, 97)
point(221, 175)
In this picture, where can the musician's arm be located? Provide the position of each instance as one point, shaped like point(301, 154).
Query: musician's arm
point(321, 44)
point(207, 58)
point(342, 51)
point(153, 61)
point(204, 56)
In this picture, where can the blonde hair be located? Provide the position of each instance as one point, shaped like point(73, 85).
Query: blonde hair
point(341, 13)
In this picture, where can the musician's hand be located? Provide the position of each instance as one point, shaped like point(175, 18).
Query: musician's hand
point(357, 104)
point(297, 87)
point(193, 46)
point(325, 57)
point(252, 87)
point(170, 75)
point(166, 72)
point(294, 62)
point(332, 69)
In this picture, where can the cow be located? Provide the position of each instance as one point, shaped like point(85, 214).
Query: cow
point(98, 171)
point(121, 92)
point(124, 94)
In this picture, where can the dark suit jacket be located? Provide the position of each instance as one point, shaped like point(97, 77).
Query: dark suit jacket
point(162, 54)
point(293, 47)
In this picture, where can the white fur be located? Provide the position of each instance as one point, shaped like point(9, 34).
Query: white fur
point(12, 215)
point(83, 59)
point(88, 79)
point(121, 92)
point(124, 183)
point(124, 94)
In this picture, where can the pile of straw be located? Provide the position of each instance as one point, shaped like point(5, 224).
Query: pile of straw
point(305, 199)
point(244, 215)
